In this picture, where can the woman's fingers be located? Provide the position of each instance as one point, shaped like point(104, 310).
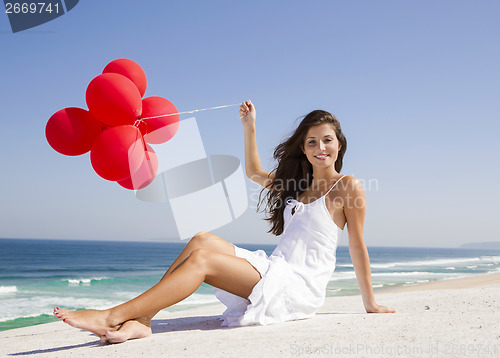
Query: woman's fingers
point(380, 309)
point(244, 108)
point(247, 111)
point(384, 309)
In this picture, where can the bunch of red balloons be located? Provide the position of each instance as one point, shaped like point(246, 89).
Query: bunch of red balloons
point(117, 127)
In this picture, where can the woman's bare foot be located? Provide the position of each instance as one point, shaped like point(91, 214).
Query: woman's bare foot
point(97, 322)
point(129, 330)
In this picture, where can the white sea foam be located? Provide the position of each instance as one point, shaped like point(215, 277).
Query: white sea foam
point(346, 275)
point(33, 306)
point(435, 262)
point(198, 299)
point(345, 265)
point(412, 273)
point(13, 307)
point(497, 270)
point(349, 275)
point(491, 258)
point(482, 260)
point(8, 289)
point(83, 281)
point(10, 318)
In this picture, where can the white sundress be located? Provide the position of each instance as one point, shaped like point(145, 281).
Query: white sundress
point(295, 275)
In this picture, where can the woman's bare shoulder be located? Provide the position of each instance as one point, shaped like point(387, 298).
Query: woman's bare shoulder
point(350, 180)
point(351, 185)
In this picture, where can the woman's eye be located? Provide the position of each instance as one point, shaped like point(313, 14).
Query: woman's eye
point(312, 142)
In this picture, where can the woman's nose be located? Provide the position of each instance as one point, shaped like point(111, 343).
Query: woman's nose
point(321, 145)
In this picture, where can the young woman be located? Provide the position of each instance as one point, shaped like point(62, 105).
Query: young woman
point(309, 203)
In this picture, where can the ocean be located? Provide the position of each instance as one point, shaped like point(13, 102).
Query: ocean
point(37, 275)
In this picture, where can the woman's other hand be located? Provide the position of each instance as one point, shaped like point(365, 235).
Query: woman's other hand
point(379, 309)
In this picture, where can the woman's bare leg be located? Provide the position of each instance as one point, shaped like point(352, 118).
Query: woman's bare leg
point(141, 327)
point(220, 270)
point(202, 240)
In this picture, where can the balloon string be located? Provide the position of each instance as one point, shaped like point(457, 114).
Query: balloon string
point(196, 110)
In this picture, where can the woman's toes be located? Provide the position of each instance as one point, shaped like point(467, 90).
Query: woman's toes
point(57, 313)
point(60, 313)
point(92, 321)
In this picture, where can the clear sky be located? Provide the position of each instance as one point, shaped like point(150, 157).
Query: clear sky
point(415, 84)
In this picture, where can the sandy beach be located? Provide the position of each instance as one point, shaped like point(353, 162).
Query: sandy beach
point(451, 318)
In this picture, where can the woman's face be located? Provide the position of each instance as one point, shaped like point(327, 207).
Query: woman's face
point(321, 145)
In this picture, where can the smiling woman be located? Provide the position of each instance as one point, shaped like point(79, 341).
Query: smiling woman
point(326, 145)
point(319, 136)
point(291, 283)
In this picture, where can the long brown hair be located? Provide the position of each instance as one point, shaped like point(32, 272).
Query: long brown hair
point(293, 173)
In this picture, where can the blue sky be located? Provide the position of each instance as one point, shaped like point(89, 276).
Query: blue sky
point(415, 84)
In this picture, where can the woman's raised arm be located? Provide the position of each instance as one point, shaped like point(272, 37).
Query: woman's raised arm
point(253, 167)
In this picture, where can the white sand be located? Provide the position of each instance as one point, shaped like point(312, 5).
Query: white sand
point(450, 322)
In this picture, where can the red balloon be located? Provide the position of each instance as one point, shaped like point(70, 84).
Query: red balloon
point(129, 69)
point(71, 131)
point(145, 174)
point(162, 129)
point(114, 99)
point(118, 152)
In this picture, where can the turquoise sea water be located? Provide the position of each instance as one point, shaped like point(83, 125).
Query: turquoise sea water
point(37, 275)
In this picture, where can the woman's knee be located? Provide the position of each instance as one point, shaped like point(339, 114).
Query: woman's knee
point(201, 238)
point(199, 257)
point(207, 240)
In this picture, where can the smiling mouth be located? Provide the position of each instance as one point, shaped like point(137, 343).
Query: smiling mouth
point(322, 156)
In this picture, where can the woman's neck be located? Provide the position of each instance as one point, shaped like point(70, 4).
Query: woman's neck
point(323, 177)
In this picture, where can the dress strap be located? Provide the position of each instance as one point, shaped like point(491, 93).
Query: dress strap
point(333, 186)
